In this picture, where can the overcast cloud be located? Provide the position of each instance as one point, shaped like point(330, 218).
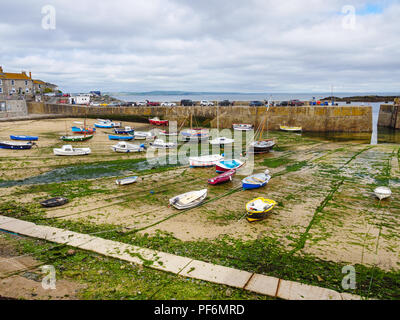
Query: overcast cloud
point(205, 45)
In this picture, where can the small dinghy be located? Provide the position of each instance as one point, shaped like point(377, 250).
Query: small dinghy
point(188, 200)
point(127, 180)
point(290, 129)
point(82, 130)
point(157, 122)
point(125, 147)
point(54, 202)
point(161, 144)
point(224, 177)
point(195, 135)
point(124, 137)
point(258, 209)
point(256, 180)
point(142, 135)
point(76, 138)
point(15, 145)
point(227, 165)
point(259, 147)
point(68, 150)
point(222, 141)
point(24, 138)
point(168, 133)
point(205, 161)
point(242, 127)
point(383, 192)
point(126, 130)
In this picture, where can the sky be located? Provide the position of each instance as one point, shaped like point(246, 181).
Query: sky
point(207, 45)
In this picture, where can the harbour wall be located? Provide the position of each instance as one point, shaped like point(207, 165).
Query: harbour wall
point(13, 108)
point(389, 116)
point(311, 118)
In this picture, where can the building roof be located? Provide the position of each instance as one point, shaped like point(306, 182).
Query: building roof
point(39, 82)
point(14, 76)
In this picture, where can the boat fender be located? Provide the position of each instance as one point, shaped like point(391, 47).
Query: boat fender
point(266, 172)
point(143, 146)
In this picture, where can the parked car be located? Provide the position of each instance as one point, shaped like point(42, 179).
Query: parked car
point(225, 103)
point(296, 103)
point(283, 103)
point(168, 104)
point(205, 103)
point(152, 103)
point(256, 104)
point(141, 104)
point(66, 95)
point(187, 103)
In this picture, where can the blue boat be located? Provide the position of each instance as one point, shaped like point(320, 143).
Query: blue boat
point(127, 130)
point(82, 130)
point(124, 138)
point(15, 145)
point(24, 138)
point(104, 125)
point(256, 181)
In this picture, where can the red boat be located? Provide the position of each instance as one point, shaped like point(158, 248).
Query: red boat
point(157, 122)
point(227, 176)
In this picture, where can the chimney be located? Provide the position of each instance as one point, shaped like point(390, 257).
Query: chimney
point(30, 75)
point(1, 69)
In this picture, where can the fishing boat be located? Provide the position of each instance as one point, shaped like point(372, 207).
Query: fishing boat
point(54, 202)
point(258, 209)
point(126, 130)
point(127, 180)
point(76, 138)
point(242, 127)
point(205, 161)
point(122, 137)
point(16, 145)
point(68, 150)
point(81, 130)
point(161, 144)
point(142, 135)
point(256, 180)
point(188, 200)
point(24, 138)
point(383, 192)
point(125, 147)
point(227, 165)
point(290, 129)
point(261, 146)
point(157, 122)
point(224, 177)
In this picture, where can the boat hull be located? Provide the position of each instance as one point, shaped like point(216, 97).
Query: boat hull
point(180, 203)
point(121, 138)
point(159, 122)
point(222, 178)
point(126, 181)
point(82, 130)
point(259, 208)
point(54, 202)
point(15, 145)
point(24, 138)
point(76, 138)
point(204, 162)
point(224, 166)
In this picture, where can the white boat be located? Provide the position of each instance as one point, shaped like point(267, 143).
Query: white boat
point(127, 180)
point(205, 161)
point(188, 200)
point(256, 180)
point(222, 141)
point(143, 135)
point(262, 146)
point(242, 127)
point(161, 144)
point(68, 150)
point(383, 192)
point(290, 129)
point(123, 146)
point(168, 133)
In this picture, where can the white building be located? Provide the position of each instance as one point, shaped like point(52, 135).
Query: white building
point(79, 99)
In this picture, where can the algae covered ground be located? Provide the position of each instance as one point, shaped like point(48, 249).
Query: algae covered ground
point(327, 216)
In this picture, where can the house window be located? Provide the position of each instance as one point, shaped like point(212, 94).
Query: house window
point(12, 82)
point(1, 82)
point(26, 82)
point(27, 90)
point(3, 106)
point(40, 86)
point(1, 90)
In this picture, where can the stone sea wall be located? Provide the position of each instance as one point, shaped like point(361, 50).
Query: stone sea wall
point(311, 118)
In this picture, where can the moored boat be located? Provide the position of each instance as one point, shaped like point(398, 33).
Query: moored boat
point(82, 130)
point(54, 202)
point(76, 138)
point(256, 180)
point(224, 177)
point(24, 138)
point(143, 135)
point(222, 141)
point(262, 146)
point(188, 200)
point(242, 127)
point(257, 209)
point(205, 161)
point(68, 150)
point(161, 144)
point(157, 122)
point(290, 129)
point(126, 130)
point(168, 133)
point(227, 165)
point(127, 180)
point(125, 147)
point(195, 135)
point(383, 192)
point(16, 145)
point(122, 137)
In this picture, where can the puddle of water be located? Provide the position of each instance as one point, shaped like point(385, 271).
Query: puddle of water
point(91, 171)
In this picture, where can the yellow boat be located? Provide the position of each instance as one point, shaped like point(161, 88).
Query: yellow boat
point(291, 129)
point(258, 208)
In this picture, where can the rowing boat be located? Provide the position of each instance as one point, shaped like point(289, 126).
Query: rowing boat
point(24, 138)
point(256, 180)
point(122, 137)
point(188, 200)
point(224, 177)
point(16, 145)
point(383, 192)
point(227, 165)
point(54, 202)
point(127, 180)
point(258, 208)
point(290, 129)
point(205, 161)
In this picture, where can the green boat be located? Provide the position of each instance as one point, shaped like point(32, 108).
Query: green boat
point(77, 138)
